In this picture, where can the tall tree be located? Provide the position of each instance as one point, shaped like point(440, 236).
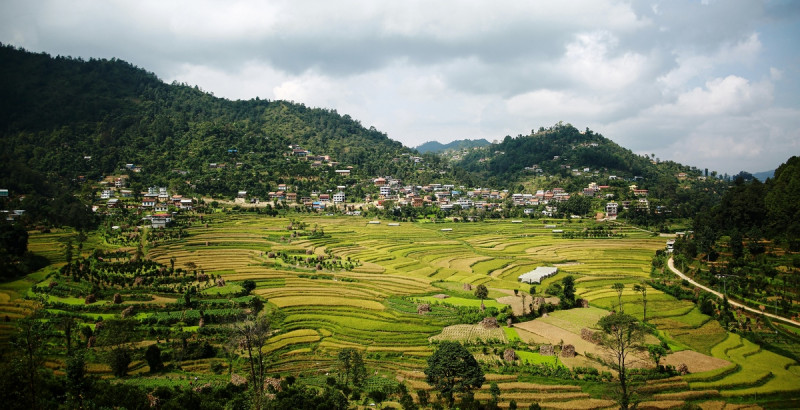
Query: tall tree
point(622, 335)
point(568, 292)
point(77, 383)
point(351, 367)
point(253, 334)
point(656, 352)
point(31, 339)
point(453, 369)
point(619, 288)
point(643, 290)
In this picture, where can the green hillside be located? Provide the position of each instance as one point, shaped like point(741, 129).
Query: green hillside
point(561, 149)
point(63, 118)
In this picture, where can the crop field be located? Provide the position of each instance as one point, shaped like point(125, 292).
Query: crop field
point(363, 286)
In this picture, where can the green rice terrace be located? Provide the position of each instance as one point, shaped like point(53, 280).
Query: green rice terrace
point(393, 294)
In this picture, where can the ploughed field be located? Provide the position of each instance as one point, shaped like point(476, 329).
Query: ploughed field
point(346, 283)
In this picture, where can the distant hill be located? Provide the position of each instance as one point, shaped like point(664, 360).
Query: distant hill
point(437, 147)
point(762, 176)
point(564, 150)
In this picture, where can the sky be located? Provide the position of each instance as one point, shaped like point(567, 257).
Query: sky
point(712, 84)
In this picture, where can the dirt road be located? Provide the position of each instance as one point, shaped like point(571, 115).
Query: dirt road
point(671, 266)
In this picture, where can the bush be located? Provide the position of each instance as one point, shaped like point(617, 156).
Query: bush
point(119, 359)
point(153, 357)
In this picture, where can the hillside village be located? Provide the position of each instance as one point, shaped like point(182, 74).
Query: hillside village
point(355, 194)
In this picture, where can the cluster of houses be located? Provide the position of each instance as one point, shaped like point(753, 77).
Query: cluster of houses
point(157, 201)
point(447, 197)
point(303, 154)
point(641, 203)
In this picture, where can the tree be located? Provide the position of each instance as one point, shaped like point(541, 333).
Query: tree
point(656, 352)
point(568, 292)
point(68, 251)
point(153, 357)
point(77, 383)
point(481, 292)
point(256, 305)
point(116, 334)
point(31, 339)
point(494, 390)
point(453, 369)
point(407, 402)
point(619, 288)
point(736, 246)
point(523, 304)
point(119, 359)
point(643, 290)
point(67, 324)
point(248, 286)
point(351, 367)
point(253, 334)
point(422, 397)
point(622, 334)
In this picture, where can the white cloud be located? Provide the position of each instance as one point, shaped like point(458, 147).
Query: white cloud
point(557, 106)
point(589, 60)
point(692, 64)
point(657, 76)
point(729, 95)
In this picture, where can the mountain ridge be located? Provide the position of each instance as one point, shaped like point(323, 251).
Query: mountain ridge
point(438, 148)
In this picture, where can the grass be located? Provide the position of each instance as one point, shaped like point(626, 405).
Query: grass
point(536, 358)
point(228, 289)
point(511, 334)
point(456, 301)
point(470, 333)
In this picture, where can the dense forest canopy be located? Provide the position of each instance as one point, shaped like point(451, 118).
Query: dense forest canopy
point(759, 210)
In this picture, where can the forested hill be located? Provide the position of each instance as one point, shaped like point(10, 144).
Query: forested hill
point(62, 118)
point(563, 149)
point(759, 210)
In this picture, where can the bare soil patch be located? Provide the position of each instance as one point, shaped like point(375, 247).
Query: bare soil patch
point(515, 302)
point(556, 335)
point(695, 361)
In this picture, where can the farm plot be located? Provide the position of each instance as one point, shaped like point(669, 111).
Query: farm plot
point(471, 334)
point(456, 301)
point(760, 371)
point(695, 361)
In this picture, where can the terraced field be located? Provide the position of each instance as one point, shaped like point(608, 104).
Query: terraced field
point(358, 285)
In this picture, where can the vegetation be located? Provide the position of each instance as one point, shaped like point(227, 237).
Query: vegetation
point(622, 335)
point(452, 369)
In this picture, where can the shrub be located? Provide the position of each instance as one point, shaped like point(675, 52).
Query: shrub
point(119, 359)
point(153, 357)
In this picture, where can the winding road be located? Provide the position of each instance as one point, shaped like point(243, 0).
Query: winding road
point(671, 266)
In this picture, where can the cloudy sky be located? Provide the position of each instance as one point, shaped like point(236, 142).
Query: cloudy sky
point(709, 83)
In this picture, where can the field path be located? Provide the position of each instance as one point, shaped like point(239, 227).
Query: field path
point(737, 304)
